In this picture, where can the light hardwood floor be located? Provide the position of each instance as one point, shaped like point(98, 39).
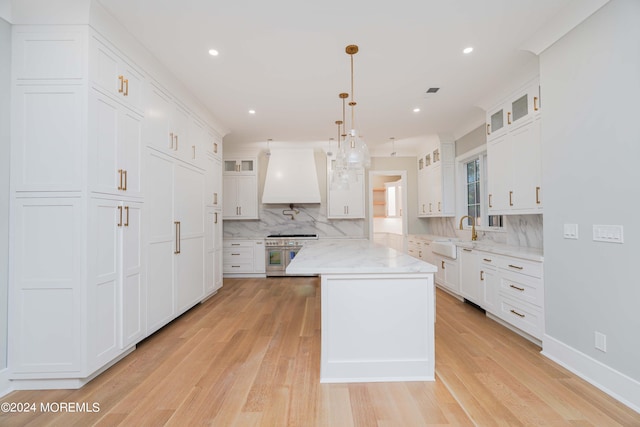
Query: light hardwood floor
point(249, 356)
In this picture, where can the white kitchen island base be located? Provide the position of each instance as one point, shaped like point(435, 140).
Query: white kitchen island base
point(377, 327)
point(378, 311)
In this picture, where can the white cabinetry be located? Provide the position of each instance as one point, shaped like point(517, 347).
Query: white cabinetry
point(244, 258)
point(345, 202)
point(240, 189)
point(513, 151)
point(448, 275)
point(469, 275)
point(436, 174)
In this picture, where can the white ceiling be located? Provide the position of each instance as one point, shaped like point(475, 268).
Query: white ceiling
point(286, 60)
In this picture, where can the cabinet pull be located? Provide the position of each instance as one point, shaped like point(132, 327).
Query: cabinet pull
point(177, 224)
point(423, 208)
point(171, 139)
point(240, 210)
point(442, 264)
point(510, 198)
point(215, 147)
point(235, 244)
point(420, 254)
point(215, 198)
point(517, 288)
point(481, 275)
point(215, 217)
point(193, 149)
point(439, 208)
point(488, 129)
point(126, 87)
point(535, 103)
point(235, 254)
point(517, 314)
point(537, 195)
point(126, 209)
point(235, 266)
point(467, 250)
point(486, 259)
point(120, 173)
point(120, 211)
point(490, 205)
point(237, 168)
point(124, 173)
point(509, 117)
point(516, 267)
point(176, 138)
point(121, 89)
point(430, 208)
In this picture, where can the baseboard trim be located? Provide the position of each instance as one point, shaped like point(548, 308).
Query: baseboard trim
point(616, 384)
point(5, 383)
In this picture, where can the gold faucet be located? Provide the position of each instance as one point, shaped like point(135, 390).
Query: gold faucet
point(474, 235)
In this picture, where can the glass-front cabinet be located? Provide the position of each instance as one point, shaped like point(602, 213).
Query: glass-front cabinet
point(514, 111)
point(239, 166)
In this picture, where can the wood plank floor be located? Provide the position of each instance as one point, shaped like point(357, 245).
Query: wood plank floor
point(249, 356)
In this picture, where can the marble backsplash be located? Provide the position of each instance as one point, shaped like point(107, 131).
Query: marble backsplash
point(311, 219)
point(520, 230)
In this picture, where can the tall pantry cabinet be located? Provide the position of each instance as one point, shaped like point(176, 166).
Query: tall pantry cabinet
point(107, 219)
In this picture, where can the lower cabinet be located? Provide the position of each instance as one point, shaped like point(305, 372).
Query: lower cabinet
point(470, 280)
point(448, 274)
point(244, 258)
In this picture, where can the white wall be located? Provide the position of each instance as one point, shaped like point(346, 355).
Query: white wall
point(5, 92)
point(590, 82)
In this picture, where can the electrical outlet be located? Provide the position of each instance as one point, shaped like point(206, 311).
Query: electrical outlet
point(601, 341)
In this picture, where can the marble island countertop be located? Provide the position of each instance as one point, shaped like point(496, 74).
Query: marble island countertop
point(357, 256)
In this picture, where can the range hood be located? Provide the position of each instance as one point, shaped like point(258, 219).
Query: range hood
point(291, 177)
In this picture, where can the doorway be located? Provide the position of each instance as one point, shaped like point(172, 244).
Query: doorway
point(388, 207)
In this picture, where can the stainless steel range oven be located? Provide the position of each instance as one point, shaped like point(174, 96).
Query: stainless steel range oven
point(281, 249)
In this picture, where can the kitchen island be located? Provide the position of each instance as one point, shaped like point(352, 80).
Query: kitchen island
point(378, 311)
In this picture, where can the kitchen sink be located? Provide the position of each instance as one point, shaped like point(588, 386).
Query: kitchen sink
point(444, 247)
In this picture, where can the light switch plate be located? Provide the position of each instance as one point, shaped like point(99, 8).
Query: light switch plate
point(571, 231)
point(608, 233)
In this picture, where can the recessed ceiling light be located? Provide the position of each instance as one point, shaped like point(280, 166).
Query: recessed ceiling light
point(416, 110)
point(467, 50)
point(252, 111)
point(213, 52)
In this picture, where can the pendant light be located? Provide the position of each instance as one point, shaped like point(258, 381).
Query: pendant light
point(355, 150)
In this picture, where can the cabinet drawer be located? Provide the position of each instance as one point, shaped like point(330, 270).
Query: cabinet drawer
point(235, 255)
point(522, 288)
point(523, 317)
point(238, 243)
point(522, 266)
point(238, 267)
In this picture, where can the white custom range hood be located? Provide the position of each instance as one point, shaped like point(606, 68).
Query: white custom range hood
point(291, 177)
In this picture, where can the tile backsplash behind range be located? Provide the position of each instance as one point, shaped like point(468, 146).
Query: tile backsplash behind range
point(311, 219)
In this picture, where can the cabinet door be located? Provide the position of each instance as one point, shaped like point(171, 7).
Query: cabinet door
point(160, 238)
point(496, 123)
point(247, 196)
point(230, 205)
point(180, 131)
point(157, 120)
point(470, 275)
point(217, 183)
point(130, 152)
point(132, 270)
point(500, 172)
point(217, 269)
point(490, 283)
point(527, 175)
point(434, 196)
point(355, 206)
point(451, 275)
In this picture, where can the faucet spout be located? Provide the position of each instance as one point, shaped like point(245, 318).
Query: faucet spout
point(474, 235)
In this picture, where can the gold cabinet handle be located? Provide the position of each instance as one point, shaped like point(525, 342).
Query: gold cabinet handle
point(510, 198)
point(419, 254)
point(490, 205)
point(430, 208)
point(215, 217)
point(516, 288)
point(121, 89)
point(176, 138)
point(517, 314)
point(126, 87)
point(120, 211)
point(509, 117)
point(481, 275)
point(215, 147)
point(240, 209)
point(126, 210)
point(537, 195)
point(439, 208)
point(486, 259)
point(215, 198)
point(535, 103)
point(516, 267)
point(124, 173)
point(193, 154)
point(442, 264)
point(120, 173)
point(488, 129)
point(171, 139)
point(177, 249)
point(467, 250)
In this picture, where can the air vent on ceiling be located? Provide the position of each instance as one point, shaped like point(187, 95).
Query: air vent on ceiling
point(433, 89)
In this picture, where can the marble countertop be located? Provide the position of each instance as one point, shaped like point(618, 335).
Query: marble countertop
point(532, 254)
point(357, 256)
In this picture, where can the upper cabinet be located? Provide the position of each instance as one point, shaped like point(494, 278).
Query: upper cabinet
point(345, 200)
point(513, 151)
point(240, 188)
point(436, 180)
point(240, 166)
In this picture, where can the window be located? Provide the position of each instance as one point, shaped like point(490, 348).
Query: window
point(474, 200)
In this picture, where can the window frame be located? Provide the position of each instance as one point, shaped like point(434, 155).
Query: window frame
point(461, 187)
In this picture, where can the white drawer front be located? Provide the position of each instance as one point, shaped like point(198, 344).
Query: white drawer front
point(238, 244)
point(530, 268)
point(235, 255)
point(522, 288)
point(523, 317)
